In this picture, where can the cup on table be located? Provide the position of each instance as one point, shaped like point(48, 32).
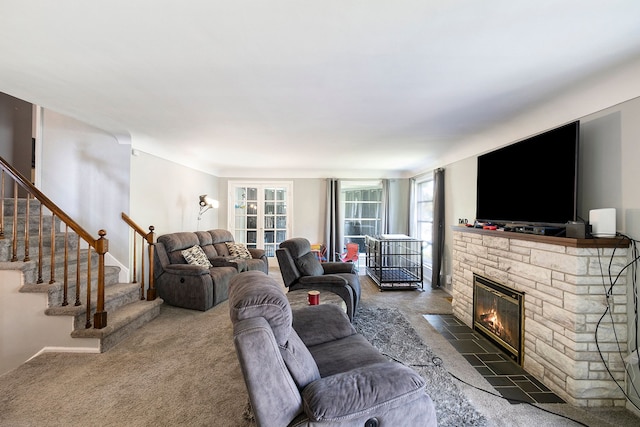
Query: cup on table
point(314, 297)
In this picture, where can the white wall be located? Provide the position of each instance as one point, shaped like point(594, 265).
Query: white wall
point(166, 195)
point(459, 203)
point(399, 196)
point(310, 207)
point(85, 171)
point(24, 328)
point(600, 164)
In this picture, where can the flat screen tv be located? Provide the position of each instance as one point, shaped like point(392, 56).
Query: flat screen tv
point(531, 182)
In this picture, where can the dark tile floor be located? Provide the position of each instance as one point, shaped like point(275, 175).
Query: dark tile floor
point(506, 376)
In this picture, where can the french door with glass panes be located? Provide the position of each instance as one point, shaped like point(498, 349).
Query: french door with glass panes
point(259, 214)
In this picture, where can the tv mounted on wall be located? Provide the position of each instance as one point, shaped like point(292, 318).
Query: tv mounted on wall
point(533, 182)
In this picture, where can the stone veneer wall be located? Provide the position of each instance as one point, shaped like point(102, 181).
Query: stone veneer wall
point(564, 299)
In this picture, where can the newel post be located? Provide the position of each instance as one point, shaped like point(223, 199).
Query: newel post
point(102, 247)
point(151, 292)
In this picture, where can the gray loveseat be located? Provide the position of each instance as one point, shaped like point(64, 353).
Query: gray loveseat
point(309, 367)
point(198, 287)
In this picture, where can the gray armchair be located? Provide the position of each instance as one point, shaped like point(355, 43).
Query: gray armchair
point(309, 367)
point(301, 269)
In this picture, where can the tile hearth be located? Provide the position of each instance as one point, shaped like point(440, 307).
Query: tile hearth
point(507, 377)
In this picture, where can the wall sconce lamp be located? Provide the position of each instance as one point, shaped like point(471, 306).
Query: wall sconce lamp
point(207, 203)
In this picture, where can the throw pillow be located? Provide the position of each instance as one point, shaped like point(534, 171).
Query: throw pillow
point(309, 265)
point(238, 250)
point(196, 256)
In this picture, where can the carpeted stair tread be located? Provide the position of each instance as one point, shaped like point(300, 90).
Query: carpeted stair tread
point(18, 265)
point(34, 225)
point(6, 247)
point(34, 205)
point(110, 292)
point(30, 268)
point(111, 276)
point(59, 259)
point(121, 322)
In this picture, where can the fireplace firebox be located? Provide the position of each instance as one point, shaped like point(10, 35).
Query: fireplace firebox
point(498, 314)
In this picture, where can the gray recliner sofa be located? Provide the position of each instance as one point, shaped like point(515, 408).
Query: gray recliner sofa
point(309, 367)
point(196, 287)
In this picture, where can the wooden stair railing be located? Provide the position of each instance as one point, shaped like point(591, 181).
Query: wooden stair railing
point(149, 240)
point(99, 245)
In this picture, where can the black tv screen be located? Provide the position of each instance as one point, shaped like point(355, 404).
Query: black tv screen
point(531, 182)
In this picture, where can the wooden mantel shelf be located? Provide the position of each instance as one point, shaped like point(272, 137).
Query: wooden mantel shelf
point(608, 242)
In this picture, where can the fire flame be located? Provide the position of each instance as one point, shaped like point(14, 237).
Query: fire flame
point(492, 321)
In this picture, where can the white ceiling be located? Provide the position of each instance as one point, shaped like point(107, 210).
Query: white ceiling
point(326, 88)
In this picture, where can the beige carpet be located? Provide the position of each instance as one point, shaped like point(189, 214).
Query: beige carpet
point(181, 370)
point(178, 370)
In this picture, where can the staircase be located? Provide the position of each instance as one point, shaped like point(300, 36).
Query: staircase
point(123, 302)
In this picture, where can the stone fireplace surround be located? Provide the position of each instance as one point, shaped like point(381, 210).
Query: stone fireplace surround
point(564, 299)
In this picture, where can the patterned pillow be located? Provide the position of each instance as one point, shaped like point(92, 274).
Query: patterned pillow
point(238, 250)
point(196, 256)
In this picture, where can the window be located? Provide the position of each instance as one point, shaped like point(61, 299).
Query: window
point(424, 216)
point(362, 211)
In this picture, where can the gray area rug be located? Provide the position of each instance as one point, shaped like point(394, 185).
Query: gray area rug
point(392, 334)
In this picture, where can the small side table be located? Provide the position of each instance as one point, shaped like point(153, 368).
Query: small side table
point(299, 299)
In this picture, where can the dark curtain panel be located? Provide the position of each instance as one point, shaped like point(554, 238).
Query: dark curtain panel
point(333, 224)
point(438, 226)
point(384, 229)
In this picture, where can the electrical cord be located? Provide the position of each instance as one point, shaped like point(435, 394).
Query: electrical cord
point(608, 293)
point(437, 361)
point(634, 272)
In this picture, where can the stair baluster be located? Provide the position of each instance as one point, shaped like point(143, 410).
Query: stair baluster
point(65, 288)
point(88, 322)
point(52, 276)
point(78, 275)
point(26, 230)
point(40, 244)
point(14, 231)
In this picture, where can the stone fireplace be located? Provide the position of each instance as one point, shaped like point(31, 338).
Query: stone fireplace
point(565, 297)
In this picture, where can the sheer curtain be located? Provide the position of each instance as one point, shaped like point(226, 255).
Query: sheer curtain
point(333, 224)
point(438, 226)
point(413, 222)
